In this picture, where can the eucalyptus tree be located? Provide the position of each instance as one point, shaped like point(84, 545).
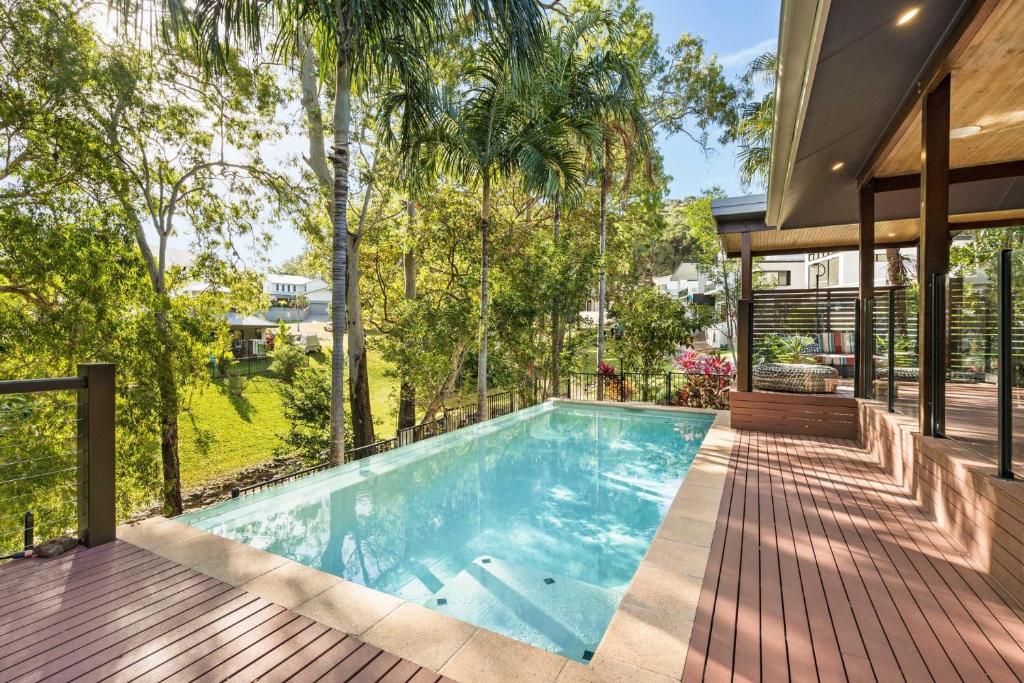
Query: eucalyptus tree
point(365, 40)
point(486, 131)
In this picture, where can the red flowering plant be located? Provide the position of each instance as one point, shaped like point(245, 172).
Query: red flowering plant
point(707, 380)
point(615, 388)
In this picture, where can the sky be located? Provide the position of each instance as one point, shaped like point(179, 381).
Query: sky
point(735, 30)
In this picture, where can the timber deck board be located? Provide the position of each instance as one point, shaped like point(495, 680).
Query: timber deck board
point(118, 612)
point(822, 568)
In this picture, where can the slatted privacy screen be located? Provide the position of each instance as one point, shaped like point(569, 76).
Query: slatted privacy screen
point(804, 312)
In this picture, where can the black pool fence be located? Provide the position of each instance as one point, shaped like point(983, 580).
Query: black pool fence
point(693, 389)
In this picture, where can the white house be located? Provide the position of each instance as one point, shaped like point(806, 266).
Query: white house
point(829, 269)
point(290, 287)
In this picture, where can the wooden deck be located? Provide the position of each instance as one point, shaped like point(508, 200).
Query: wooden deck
point(822, 569)
point(118, 612)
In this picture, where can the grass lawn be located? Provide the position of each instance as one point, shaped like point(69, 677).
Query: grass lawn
point(221, 435)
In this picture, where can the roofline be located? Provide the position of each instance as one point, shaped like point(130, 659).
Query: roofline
point(801, 30)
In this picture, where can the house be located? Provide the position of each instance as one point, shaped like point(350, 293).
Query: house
point(248, 334)
point(896, 128)
point(288, 292)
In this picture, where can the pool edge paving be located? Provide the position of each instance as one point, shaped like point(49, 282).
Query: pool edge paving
point(649, 631)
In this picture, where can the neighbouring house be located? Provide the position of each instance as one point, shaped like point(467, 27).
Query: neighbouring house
point(296, 297)
point(248, 334)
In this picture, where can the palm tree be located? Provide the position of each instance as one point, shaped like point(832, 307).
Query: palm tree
point(754, 129)
point(488, 132)
point(365, 40)
point(565, 93)
point(617, 103)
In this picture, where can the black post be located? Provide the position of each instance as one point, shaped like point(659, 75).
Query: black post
point(1005, 365)
point(744, 343)
point(858, 360)
point(937, 369)
point(891, 351)
point(96, 512)
point(30, 530)
point(867, 335)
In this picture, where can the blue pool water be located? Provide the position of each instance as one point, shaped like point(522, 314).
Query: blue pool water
point(530, 525)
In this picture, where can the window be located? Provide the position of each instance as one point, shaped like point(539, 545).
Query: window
point(881, 258)
point(818, 254)
point(825, 273)
point(779, 278)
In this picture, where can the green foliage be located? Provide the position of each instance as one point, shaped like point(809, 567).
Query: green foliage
point(654, 326)
point(693, 93)
point(904, 350)
point(753, 128)
point(775, 348)
point(793, 349)
point(768, 349)
point(307, 406)
point(287, 360)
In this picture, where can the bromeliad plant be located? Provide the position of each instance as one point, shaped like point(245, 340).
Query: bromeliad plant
point(615, 388)
point(707, 381)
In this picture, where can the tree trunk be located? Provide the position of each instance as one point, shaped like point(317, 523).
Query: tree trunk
point(894, 266)
point(168, 391)
point(556, 322)
point(605, 182)
point(339, 250)
point(458, 357)
point(358, 379)
point(481, 368)
point(407, 392)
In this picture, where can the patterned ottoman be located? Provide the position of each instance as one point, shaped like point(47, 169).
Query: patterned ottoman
point(795, 378)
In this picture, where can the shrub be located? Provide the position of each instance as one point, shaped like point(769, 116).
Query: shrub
point(615, 388)
point(707, 381)
point(307, 405)
point(287, 360)
point(237, 384)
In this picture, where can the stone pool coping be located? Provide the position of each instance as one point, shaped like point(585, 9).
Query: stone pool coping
point(647, 638)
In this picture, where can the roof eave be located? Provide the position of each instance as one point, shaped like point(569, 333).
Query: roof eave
point(801, 29)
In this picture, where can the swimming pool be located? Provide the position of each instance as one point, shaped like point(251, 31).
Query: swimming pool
point(530, 525)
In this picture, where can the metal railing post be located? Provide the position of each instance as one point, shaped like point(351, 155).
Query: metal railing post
point(744, 343)
point(937, 369)
point(1005, 389)
point(97, 518)
point(858, 352)
point(891, 352)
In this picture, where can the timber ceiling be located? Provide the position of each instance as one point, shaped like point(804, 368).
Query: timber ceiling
point(987, 91)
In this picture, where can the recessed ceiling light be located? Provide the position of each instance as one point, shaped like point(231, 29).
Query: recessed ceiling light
point(838, 166)
point(908, 16)
point(964, 132)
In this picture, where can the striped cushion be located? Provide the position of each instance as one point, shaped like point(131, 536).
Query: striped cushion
point(836, 342)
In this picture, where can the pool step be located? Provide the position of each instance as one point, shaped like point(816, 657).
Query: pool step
point(536, 607)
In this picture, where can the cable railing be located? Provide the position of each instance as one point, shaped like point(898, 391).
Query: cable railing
point(57, 459)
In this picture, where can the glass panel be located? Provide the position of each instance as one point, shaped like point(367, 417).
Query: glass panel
point(973, 339)
point(971, 360)
point(901, 303)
